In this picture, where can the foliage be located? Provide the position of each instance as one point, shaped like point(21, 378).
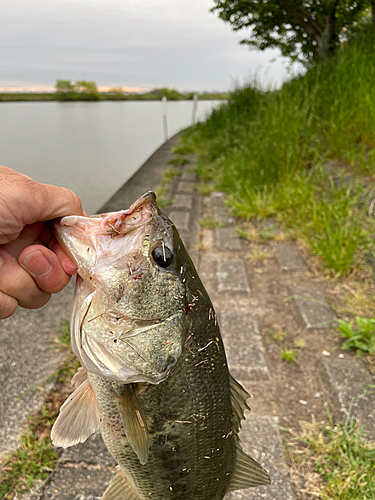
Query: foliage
point(82, 90)
point(269, 151)
point(178, 161)
point(288, 355)
point(304, 31)
point(338, 454)
point(361, 338)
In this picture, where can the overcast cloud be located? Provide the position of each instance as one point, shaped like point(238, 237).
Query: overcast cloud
point(127, 43)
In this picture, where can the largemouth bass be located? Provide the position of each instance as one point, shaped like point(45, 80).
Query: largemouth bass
point(154, 376)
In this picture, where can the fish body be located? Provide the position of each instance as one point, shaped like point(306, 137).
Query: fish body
point(155, 378)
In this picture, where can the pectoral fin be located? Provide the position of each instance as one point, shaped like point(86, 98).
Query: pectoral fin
point(119, 488)
point(78, 417)
point(247, 473)
point(134, 422)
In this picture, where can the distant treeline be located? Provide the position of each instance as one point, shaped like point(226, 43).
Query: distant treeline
point(84, 90)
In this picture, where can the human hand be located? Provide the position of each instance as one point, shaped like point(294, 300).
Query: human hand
point(32, 263)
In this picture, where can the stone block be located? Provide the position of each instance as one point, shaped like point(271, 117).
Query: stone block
point(231, 276)
point(92, 452)
point(189, 177)
point(351, 384)
point(223, 215)
point(313, 307)
point(260, 438)
point(288, 258)
point(243, 345)
point(226, 239)
point(180, 219)
point(185, 187)
point(184, 201)
point(69, 483)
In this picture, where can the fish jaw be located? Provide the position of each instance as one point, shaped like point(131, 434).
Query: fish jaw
point(129, 314)
point(84, 238)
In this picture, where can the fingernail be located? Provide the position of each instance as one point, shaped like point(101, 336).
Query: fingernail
point(37, 264)
point(1, 261)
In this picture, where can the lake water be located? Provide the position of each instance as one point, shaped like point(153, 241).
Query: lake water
point(90, 147)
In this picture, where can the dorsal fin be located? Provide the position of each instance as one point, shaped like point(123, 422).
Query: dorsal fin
point(119, 488)
point(78, 418)
point(238, 397)
point(134, 421)
point(247, 473)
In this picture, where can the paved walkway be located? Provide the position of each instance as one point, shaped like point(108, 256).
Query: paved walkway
point(243, 307)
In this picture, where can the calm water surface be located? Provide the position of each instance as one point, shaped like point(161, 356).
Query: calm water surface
point(92, 148)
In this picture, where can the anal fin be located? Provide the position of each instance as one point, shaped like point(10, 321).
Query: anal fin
point(238, 397)
point(78, 417)
point(134, 422)
point(247, 473)
point(119, 488)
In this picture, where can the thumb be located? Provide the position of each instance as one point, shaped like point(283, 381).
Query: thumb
point(54, 201)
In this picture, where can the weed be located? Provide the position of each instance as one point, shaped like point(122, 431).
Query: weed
point(361, 338)
point(169, 175)
point(276, 334)
point(259, 255)
point(300, 343)
point(266, 148)
point(164, 202)
point(205, 189)
point(178, 161)
point(342, 460)
point(209, 222)
point(183, 149)
point(288, 355)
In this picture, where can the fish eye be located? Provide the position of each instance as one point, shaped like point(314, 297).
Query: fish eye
point(162, 256)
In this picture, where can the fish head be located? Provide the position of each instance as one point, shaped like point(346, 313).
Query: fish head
point(128, 318)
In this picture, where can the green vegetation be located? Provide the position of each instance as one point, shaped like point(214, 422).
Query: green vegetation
point(303, 31)
point(36, 457)
point(300, 343)
point(339, 455)
point(276, 334)
point(288, 355)
point(178, 161)
point(209, 222)
point(361, 338)
point(293, 154)
point(82, 90)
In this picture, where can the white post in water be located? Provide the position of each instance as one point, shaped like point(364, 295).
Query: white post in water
point(195, 109)
point(165, 123)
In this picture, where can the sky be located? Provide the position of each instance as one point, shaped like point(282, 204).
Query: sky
point(133, 44)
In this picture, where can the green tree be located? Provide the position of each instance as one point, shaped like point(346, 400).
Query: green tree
point(65, 90)
point(87, 90)
point(304, 31)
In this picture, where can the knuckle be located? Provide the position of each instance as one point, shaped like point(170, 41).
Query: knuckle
point(8, 305)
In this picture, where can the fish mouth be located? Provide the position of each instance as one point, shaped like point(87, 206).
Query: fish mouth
point(77, 234)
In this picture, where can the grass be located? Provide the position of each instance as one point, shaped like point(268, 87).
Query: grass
point(361, 338)
point(209, 222)
point(36, 457)
point(178, 161)
point(336, 458)
point(282, 154)
point(276, 334)
point(288, 355)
